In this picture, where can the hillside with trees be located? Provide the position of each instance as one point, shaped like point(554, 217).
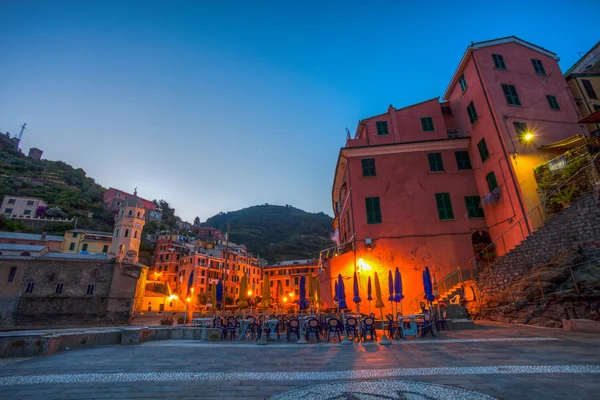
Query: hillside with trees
point(68, 191)
point(277, 233)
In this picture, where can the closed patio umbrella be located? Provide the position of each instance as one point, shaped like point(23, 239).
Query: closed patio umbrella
point(398, 288)
point(219, 294)
point(243, 297)
point(427, 285)
point(190, 283)
point(391, 289)
point(317, 292)
point(213, 296)
point(279, 294)
point(356, 298)
point(341, 293)
point(379, 304)
point(302, 303)
point(266, 294)
point(369, 297)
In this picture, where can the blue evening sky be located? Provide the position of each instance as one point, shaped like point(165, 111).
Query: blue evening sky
point(219, 105)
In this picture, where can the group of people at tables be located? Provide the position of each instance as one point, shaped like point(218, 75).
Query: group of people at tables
point(317, 327)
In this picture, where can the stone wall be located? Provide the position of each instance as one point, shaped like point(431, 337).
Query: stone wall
point(579, 224)
point(110, 303)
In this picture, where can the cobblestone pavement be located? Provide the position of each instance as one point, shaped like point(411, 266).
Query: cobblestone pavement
point(494, 361)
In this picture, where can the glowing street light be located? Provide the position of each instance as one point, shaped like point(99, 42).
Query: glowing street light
point(291, 294)
point(249, 292)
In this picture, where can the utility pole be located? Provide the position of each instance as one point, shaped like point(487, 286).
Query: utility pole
point(226, 262)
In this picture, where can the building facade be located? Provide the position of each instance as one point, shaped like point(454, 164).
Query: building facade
point(432, 183)
point(21, 207)
point(584, 82)
point(287, 274)
point(54, 243)
point(127, 236)
point(115, 198)
point(86, 242)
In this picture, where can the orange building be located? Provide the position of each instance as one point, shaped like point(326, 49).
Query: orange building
point(434, 182)
point(288, 273)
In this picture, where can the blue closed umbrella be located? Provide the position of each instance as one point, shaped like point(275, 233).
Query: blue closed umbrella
point(302, 303)
point(336, 297)
point(369, 290)
point(190, 281)
point(341, 293)
point(391, 286)
point(356, 298)
point(427, 285)
point(398, 287)
point(219, 292)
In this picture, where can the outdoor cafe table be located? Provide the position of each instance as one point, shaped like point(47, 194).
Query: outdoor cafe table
point(412, 331)
point(204, 324)
point(272, 324)
point(243, 329)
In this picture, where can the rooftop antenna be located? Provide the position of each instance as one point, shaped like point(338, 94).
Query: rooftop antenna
point(22, 130)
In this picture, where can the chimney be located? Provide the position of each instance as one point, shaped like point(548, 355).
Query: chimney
point(43, 235)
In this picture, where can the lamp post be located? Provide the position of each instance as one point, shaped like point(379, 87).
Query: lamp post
point(187, 302)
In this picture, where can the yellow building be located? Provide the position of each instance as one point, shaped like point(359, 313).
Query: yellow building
point(88, 242)
point(289, 273)
point(584, 82)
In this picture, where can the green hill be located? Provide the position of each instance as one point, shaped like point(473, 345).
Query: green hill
point(67, 191)
point(277, 233)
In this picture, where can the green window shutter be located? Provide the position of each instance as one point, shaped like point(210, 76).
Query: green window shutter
point(483, 150)
point(472, 113)
point(589, 89)
point(510, 93)
point(498, 61)
point(491, 181)
point(373, 210)
point(538, 67)
point(382, 128)
point(463, 161)
point(444, 206)
point(521, 130)
point(474, 209)
point(463, 83)
point(552, 102)
point(368, 167)
point(427, 124)
point(436, 163)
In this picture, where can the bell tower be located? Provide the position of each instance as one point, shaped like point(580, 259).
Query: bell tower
point(129, 222)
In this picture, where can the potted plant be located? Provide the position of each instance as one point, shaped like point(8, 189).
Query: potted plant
point(167, 321)
point(180, 320)
point(564, 197)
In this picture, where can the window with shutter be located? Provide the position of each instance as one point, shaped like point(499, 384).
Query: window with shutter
point(444, 206)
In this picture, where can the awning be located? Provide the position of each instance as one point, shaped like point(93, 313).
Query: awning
point(591, 119)
point(568, 143)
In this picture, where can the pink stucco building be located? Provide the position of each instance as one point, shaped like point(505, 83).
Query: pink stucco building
point(429, 183)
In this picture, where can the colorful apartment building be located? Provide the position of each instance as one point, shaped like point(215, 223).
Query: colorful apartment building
point(81, 241)
point(114, 198)
point(288, 274)
point(21, 207)
point(584, 82)
point(431, 183)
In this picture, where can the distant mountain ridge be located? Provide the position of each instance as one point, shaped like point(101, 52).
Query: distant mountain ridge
point(277, 233)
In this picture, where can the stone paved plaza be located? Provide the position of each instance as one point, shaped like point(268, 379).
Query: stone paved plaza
point(493, 361)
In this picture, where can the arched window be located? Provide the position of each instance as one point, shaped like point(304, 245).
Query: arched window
point(117, 233)
point(130, 213)
point(29, 287)
point(90, 288)
point(135, 234)
point(126, 232)
point(25, 254)
point(138, 214)
point(59, 288)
